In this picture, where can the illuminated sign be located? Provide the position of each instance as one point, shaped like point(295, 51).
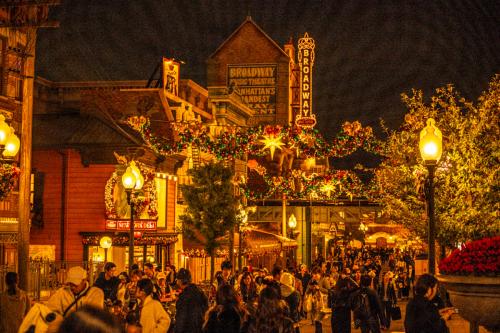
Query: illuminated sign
point(306, 61)
point(118, 224)
point(256, 84)
point(171, 70)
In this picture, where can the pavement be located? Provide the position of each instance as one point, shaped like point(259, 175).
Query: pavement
point(456, 324)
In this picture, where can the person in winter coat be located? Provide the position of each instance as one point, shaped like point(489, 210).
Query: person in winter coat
point(387, 293)
point(271, 314)
point(227, 315)
point(313, 295)
point(291, 297)
point(14, 305)
point(153, 318)
point(422, 315)
point(191, 305)
point(76, 293)
point(248, 291)
point(341, 311)
point(108, 282)
point(367, 307)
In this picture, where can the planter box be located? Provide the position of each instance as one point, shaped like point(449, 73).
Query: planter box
point(477, 298)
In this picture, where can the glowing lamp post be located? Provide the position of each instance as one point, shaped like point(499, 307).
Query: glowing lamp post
point(431, 149)
point(9, 142)
point(132, 181)
point(292, 222)
point(106, 243)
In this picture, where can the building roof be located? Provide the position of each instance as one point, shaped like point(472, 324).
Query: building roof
point(72, 129)
point(235, 33)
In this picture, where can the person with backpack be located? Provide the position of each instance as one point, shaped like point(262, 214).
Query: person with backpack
point(367, 308)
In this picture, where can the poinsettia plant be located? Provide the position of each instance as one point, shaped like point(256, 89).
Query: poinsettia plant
point(8, 177)
point(480, 257)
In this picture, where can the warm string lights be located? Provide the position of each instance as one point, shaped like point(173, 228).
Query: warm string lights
point(235, 142)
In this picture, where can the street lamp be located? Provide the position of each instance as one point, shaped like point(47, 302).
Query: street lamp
point(363, 228)
point(106, 243)
point(431, 149)
point(132, 181)
point(292, 222)
point(9, 142)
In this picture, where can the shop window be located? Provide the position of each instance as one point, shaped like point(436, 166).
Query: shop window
point(36, 198)
point(3, 49)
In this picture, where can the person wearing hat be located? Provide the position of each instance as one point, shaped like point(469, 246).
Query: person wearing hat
point(191, 305)
point(76, 293)
point(291, 297)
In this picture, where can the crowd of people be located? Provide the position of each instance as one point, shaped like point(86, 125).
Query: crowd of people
point(356, 287)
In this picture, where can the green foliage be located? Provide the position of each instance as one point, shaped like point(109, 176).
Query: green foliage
point(211, 206)
point(467, 176)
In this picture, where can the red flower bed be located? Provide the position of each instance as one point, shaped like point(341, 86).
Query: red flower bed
point(481, 257)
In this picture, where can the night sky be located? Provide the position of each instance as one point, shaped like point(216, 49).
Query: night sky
point(367, 52)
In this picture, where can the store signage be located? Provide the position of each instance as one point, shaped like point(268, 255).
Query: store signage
point(171, 72)
point(256, 84)
point(122, 225)
point(306, 61)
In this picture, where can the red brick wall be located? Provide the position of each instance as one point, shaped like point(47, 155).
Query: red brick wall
point(84, 201)
point(250, 46)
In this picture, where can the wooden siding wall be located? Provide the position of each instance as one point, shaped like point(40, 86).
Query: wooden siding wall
point(84, 201)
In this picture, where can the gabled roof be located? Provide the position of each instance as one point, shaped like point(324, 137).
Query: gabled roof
point(247, 21)
point(74, 130)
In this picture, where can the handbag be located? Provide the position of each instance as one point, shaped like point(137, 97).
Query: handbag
point(395, 312)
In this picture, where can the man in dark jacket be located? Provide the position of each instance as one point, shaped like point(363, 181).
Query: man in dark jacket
point(422, 315)
point(341, 311)
point(191, 305)
point(108, 282)
point(367, 308)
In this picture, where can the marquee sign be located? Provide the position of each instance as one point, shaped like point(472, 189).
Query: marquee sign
point(257, 85)
point(306, 61)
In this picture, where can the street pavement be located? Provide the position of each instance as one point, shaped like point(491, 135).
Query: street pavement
point(456, 324)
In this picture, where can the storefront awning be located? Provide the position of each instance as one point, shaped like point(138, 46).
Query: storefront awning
point(258, 241)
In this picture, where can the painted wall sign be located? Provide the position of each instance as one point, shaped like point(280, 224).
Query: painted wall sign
point(257, 85)
point(306, 62)
point(124, 225)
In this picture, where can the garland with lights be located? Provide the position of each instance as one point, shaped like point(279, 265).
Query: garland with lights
point(118, 240)
point(140, 203)
point(237, 141)
point(9, 175)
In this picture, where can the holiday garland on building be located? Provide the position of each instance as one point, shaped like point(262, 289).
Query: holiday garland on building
point(141, 203)
point(235, 142)
point(9, 174)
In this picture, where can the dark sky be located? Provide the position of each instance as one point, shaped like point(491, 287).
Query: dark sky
point(367, 52)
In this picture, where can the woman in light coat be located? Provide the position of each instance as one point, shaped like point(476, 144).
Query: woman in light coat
point(153, 318)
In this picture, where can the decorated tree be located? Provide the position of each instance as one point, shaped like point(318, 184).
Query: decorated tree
point(467, 176)
point(211, 207)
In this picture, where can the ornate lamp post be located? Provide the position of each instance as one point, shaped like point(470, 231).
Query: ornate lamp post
point(132, 181)
point(431, 149)
point(106, 243)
